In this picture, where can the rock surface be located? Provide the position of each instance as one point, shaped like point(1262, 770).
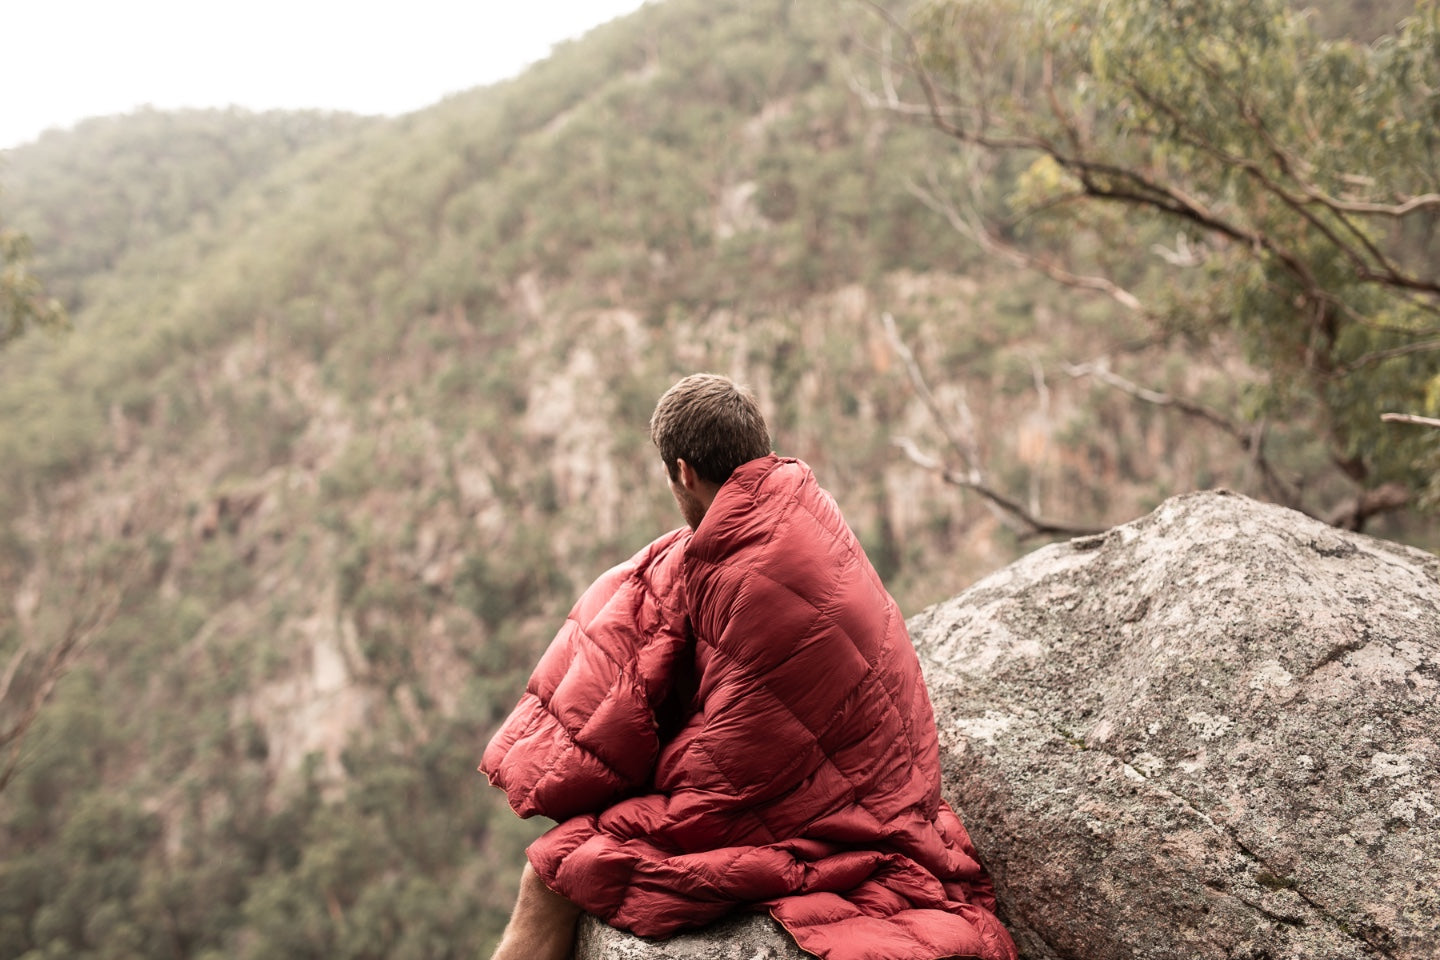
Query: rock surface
point(744, 937)
point(1209, 733)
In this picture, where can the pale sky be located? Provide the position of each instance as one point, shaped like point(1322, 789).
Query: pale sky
point(64, 60)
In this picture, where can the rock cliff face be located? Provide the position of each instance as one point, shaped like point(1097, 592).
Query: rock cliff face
point(1209, 733)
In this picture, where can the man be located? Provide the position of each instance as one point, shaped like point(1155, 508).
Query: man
point(735, 719)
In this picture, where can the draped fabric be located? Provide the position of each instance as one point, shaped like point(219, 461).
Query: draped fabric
point(735, 719)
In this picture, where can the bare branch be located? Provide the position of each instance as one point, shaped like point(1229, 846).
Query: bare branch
point(1354, 514)
point(1380, 355)
point(886, 76)
point(940, 118)
point(1410, 418)
point(11, 669)
point(1101, 371)
point(890, 100)
point(1009, 511)
point(1249, 440)
point(1403, 209)
point(1034, 525)
point(971, 227)
point(964, 446)
point(1183, 255)
point(76, 637)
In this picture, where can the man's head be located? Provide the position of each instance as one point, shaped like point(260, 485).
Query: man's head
point(705, 426)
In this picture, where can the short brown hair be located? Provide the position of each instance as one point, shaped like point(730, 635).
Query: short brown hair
point(711, 423)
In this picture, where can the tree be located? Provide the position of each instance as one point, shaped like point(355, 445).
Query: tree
point(23, 302)
point(28, 674)
point(1217, 168)
point(44, 652)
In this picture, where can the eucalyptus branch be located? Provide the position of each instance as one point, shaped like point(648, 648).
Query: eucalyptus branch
point(1144, 192)
point(1034, 525)
point(1389, 277)
point(1291, 165)
point(1305, 206)
point(1251, 441)
point(1130, 186)
point(1381, 355)
point(971, 227)
point(1186, 132)
point(1136, 189)
point(1355, 250)
point(1105, 181)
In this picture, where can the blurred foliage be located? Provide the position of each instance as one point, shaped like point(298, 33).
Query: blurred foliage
point(24, 304)
point(352, 409)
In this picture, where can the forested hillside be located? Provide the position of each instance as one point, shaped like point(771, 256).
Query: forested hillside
point(349, 410)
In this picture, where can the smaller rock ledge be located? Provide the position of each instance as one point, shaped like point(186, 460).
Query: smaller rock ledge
point(749, 936)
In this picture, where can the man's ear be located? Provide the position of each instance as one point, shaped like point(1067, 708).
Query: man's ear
point(689, 479)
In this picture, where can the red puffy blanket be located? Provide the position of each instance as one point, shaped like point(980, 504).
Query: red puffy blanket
point(735, 719)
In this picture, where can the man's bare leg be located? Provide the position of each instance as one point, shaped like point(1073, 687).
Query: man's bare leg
point(542, 927)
